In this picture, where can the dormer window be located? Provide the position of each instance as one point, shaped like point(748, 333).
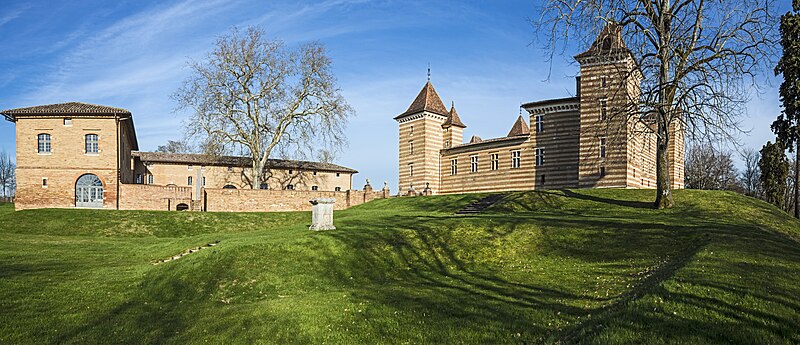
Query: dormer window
point(43, 143)
point(607, 43)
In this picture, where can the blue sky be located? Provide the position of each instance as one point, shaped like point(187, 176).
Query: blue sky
point(133, 54)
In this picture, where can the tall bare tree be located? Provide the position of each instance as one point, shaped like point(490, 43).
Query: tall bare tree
point(7, 177)
point(710, 168)
point(697, 59)
point(257, 97)
point(175, 146)
point(751, 175)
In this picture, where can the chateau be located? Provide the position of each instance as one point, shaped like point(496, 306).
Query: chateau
point(595, 139)
point(86, 155)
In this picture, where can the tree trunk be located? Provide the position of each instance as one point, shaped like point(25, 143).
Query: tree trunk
point(797, 178)
point(663, 185)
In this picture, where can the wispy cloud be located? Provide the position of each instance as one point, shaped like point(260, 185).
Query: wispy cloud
point(12, 14)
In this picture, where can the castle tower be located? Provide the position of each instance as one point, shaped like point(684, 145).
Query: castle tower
point(453, 129)
point(422, 136)
point(609, 90)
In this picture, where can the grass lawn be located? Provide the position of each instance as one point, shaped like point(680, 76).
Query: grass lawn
point(574, 266)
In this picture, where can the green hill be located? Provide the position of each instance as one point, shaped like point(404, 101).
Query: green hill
point(575, 266)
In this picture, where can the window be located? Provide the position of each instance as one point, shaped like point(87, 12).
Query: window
point(291, 172)
point(44, 143)
point(190, 167)
point(204, 181)
point(411, 169)
point(149, 179)
point(228, 186)
point(315, 173)
point(539, 123)
point(607, 43)
point(314, 188)
point(412, 131)
point(495, 157)
point(67, 121)
point(473, 163)
point(338, 189)
point(92, 145)
point(542, 180)
point(202, 167)
point(411, 146)
point(337, 174)
point(230, 168)
point(447, 144)
point(189, 181)
point(290, 187)
point(139, 179)
point(44, 182)
point(602, 171)
point(602, 147)
point(539, 157)
point(453, 166)
point(604, 82)
point(516, 159)
point(603, 109)
point(263, 186)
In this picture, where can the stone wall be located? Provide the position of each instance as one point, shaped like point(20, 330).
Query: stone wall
point(152, 197)
point(260, 200)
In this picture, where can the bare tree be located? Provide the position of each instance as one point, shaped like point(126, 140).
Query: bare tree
point(697, 59)
point(710, 168)
point(751, 175)
point(7, 175)
point(256, 97)
point(175, 146)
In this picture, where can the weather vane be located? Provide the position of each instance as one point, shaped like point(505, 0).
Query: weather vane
point(429, 71)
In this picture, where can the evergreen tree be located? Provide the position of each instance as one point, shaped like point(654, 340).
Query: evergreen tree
point(774, 171)
point(787, 126)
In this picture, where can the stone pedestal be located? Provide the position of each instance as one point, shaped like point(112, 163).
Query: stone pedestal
point(322, 214)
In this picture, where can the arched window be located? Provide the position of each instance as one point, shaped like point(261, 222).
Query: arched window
point(290, 187)
point(263, 186)
point(181, 207)
point(92, 145)
point(44, 143)
point(89, 191)
point(229, 186)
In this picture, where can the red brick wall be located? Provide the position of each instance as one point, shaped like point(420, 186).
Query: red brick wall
point(258, 200)
point(152, 197)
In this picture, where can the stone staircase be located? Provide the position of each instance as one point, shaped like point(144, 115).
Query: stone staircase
point(482, 204)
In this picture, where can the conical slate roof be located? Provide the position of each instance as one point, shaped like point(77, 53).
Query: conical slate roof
point(609, 41)
point(453, 119)
point(427, 100)
point(520, 128)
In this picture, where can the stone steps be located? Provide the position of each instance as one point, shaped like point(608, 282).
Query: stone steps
point(482, 204)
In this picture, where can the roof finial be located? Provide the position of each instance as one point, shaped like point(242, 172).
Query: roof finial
point(429, 71)
point(452, 104)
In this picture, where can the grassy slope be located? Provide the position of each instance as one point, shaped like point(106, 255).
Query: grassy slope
point(584, 266)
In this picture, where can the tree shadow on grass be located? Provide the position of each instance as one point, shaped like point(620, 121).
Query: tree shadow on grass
point(424, 264)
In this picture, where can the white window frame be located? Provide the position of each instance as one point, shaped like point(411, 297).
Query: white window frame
point(516, 159)
point(539, 121)
point(315, 188)
point(91, 147)
point(67, 121)
point(473, 163)
point(149, 178)
point(190, 181)
point(495, 158)
point(454, 167)
point(44, 143)
point(539, 156)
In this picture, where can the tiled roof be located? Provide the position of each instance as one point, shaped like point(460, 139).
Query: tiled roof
point(520, 128)
point(452, 118)
point(475, 139)
point(76, 108)
point(199, 159)
point(427, 100)
point(550, 101)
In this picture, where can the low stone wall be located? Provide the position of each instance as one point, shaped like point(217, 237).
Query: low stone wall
point(259, 200)
point(151, 197)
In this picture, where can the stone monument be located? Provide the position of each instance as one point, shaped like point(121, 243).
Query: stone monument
point(322, 214)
